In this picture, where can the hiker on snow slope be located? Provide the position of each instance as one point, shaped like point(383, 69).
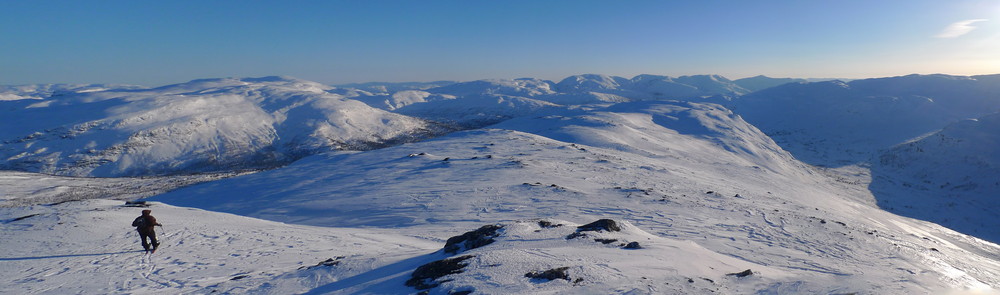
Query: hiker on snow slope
point(144, 225)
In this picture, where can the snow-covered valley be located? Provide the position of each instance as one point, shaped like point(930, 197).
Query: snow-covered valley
point(687, 195)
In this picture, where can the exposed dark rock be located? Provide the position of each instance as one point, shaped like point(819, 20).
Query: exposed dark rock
point(633, 245)
point(605, 241)
point(552, 274)
point(741, 274)
point(425, 276)
point(473, 239)
point(575, 235)
point(136, 204)
point(603, 224)
point(327, 262)
point(548, 224)
point(239, 277)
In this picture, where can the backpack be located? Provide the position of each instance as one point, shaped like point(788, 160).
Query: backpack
point(139, 222)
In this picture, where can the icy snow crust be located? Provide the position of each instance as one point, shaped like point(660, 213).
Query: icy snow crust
point(703, 195)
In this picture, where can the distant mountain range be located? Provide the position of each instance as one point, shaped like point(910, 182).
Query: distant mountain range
point(592, 184)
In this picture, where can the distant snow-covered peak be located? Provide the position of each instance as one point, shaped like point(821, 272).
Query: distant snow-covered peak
point(526, 87)
point(591, 83)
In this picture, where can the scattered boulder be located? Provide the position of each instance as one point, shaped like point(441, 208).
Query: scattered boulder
point(633, 245)
point(327, 262)
point(741, 274)
point(425, 276)
point(548, 224)
point(548, 275)
point(473, 239)
point(600, 225)
point(603, 224)
point(605, 241)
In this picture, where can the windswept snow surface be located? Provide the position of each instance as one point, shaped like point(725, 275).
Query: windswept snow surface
point(740, 197)
point(202, 125)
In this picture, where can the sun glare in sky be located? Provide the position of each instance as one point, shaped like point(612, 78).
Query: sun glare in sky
point(358, 41)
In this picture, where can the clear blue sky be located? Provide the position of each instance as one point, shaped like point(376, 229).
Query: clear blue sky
point(162, 42)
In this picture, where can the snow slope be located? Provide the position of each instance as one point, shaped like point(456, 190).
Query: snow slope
point(835, 123)
point(202, 125)
point(88, 247)
point(949, 177)
point(743, 198)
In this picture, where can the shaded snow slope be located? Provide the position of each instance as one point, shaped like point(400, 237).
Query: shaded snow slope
point(836, 123)
point(951, 177)
point(686, 185)
point(202, 125)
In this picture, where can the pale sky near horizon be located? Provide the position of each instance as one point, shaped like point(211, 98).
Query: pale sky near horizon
point(158, 43)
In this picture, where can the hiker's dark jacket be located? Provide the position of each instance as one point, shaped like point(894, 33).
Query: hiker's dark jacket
point(147, 225)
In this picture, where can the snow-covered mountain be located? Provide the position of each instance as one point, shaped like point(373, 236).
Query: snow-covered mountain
point(837, 123)
point(202, 125)
point(761, 82)
point(681, 171)
point(593, 185)
point(647, 87)
point(386, 88)
point(954, 170)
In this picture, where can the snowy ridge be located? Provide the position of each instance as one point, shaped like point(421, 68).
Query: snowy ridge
point(761, 82)
point(42, 91)
point(203, 125)
point(646, 87)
